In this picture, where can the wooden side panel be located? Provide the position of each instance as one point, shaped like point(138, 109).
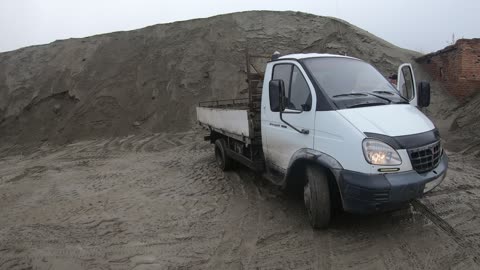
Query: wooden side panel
point(232, 121)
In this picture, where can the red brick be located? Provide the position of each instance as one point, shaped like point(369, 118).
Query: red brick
point(457, 66)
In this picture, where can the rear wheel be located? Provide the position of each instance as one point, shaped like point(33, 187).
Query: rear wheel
point(316, 195)
point(224, 162)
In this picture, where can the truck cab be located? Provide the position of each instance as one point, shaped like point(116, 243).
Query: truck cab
point(336, 128)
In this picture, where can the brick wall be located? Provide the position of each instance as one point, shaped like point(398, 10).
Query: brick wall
point(457, 67)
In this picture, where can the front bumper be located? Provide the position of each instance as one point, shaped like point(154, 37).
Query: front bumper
point(369, 193)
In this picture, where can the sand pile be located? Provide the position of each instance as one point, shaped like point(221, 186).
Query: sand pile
point(464, 132)
point(150, 79)
point(468, 119)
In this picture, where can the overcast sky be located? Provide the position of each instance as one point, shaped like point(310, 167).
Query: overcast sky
point(422, 25)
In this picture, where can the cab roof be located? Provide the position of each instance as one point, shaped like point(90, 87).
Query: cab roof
point(299, 56)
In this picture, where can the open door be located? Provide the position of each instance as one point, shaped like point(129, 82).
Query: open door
point(406, 83)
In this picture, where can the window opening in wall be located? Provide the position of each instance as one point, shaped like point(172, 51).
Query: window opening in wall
point(442, 73)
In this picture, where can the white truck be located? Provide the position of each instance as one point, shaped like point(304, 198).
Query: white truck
point(333, 127)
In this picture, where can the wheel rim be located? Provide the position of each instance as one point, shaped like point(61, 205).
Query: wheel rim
point(307, 199)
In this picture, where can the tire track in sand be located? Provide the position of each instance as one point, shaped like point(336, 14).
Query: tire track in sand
point(466, 245)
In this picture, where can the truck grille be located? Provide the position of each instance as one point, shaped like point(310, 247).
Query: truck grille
point(425, 158)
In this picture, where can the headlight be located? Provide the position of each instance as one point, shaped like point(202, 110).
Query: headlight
point(379, 153)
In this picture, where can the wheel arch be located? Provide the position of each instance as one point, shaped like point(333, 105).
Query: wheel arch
point(295, 176)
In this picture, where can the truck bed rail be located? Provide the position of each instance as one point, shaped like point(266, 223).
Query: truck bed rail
point(236, 103)
point(238, 118)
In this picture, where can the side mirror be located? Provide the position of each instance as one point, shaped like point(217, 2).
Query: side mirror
point(277, 95)
point(423, 99)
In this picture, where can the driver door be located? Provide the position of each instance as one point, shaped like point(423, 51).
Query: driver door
point(406, 83)
point(281, 140)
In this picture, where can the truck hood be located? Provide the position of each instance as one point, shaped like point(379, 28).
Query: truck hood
point(390, 120)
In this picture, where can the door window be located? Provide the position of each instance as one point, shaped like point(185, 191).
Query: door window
point(299, 96)
point(297, 90)
point(281, 72)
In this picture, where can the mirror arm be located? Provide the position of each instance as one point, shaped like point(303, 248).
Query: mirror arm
point(303, 131)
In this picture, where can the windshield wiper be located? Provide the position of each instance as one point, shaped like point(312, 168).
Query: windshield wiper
point(391, 94)
point(384, 92)
point(367, 104)
point(384, 98)
point(373, 93)
point(350, 94)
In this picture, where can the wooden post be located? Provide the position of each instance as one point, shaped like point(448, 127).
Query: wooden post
point(247, 61)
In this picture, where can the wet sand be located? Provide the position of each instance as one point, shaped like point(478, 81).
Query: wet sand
point(159, 202)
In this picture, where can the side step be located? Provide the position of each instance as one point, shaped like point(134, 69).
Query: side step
point(257, 166)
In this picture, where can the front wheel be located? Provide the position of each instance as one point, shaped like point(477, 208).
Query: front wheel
point(224, 162)
point(316, 195)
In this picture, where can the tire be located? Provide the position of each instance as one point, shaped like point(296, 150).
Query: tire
point(316, 196)
point(224, 162)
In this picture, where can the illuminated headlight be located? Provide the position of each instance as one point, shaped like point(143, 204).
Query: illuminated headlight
point(379, 153)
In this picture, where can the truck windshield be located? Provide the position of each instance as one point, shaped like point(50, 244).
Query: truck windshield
point(347, 77)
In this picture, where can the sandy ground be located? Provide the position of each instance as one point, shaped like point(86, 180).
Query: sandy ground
point(159, 202)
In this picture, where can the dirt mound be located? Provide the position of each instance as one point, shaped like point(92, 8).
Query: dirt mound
point(150, 79)
point(465, 128)
point(468, 119)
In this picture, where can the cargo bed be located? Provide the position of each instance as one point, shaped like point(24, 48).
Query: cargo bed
point(233, 118)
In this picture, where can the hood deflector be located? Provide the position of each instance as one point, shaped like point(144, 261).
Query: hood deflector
point(407, 141)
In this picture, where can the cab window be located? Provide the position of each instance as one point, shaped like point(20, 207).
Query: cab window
point(299, 96)
point(297, 90)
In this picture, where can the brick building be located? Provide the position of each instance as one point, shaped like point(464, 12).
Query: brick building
point(457, 66)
